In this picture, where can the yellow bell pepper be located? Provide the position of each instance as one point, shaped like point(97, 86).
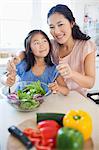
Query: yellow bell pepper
point(80, 120)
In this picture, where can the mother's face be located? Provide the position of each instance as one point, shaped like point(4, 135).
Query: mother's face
point(60, 28)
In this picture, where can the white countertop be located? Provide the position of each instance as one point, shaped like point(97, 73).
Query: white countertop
point(53, 103)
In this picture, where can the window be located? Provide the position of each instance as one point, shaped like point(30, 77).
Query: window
point(45, 7)
point(18, 17)
point(15, 22)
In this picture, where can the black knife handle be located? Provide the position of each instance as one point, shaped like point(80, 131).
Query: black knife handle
point(20, 135)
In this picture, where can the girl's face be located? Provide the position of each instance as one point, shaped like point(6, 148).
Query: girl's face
point(39, 45)
point(60, 28)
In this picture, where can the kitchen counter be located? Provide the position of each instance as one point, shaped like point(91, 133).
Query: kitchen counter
point(53, 103)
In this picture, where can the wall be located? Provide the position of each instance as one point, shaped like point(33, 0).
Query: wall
point(78, 9)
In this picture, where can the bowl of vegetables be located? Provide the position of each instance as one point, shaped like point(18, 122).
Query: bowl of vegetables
point(26, 95)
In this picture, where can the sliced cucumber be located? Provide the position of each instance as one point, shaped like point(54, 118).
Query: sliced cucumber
point(58, 117)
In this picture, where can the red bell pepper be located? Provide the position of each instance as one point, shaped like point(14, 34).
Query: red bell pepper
point(44, 137)
point(46, 123)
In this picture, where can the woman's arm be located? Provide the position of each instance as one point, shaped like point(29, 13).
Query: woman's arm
point(59, 86)
point(19, 57)
point(87, 80)
point(15, 60)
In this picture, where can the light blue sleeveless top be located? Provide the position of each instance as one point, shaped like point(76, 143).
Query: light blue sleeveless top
point(49, 75)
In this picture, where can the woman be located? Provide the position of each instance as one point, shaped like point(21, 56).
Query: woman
point(73, 50)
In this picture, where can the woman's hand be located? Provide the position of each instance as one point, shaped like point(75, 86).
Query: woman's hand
point(15, 59)
point(11, 67)
point(64, 70)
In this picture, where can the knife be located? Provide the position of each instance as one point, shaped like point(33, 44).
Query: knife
point(16, 132)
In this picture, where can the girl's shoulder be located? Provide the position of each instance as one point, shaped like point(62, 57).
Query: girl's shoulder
point(22, 65)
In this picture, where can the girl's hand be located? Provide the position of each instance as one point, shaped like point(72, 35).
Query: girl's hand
point(54, 87)
point(64, 70)
point(10, 80)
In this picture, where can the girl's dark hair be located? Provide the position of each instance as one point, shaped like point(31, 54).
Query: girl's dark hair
point(67, 13)
point(29, 56)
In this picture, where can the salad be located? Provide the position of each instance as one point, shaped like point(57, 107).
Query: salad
point(27, 96)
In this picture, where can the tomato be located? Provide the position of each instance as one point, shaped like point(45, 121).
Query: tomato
point(69, 139)
point(79, 120)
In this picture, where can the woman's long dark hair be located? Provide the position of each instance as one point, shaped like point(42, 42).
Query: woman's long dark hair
point(67, 13)
point(29, 56)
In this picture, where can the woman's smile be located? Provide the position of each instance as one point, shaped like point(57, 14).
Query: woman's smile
point(60, 36)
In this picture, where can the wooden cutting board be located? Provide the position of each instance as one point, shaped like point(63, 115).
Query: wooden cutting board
point(14, 144)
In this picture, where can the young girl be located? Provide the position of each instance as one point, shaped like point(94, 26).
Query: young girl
point(37, 64)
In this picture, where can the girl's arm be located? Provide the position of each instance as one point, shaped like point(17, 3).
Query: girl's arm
point(10, 78)
point(59, 86)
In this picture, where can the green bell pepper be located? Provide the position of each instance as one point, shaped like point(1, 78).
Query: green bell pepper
point(69, 139)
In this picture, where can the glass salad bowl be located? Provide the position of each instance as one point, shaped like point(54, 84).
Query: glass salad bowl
point(26, 95)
